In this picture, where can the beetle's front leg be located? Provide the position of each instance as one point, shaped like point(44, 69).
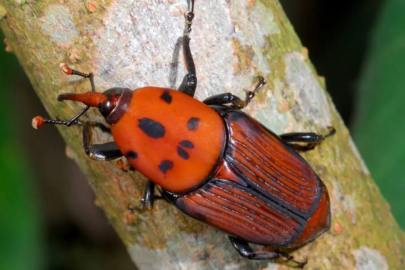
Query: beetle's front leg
point(246, 251)
point(189, 83)
point(309, 139)
point(105, 151)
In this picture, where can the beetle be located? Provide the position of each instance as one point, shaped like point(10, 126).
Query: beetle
point(211, 160)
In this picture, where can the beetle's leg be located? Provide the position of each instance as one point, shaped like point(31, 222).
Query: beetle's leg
point(105, 151)
point(149, 195)
point(309, 139)
point(189, 83)
point(236, 102)
point(251, 94)
point(246, 251)
point(148, 198)
point(225, 98)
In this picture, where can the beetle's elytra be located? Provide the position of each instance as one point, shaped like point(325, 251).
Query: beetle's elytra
point(213, 162)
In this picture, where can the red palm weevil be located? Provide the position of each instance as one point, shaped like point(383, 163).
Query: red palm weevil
point(212, 161)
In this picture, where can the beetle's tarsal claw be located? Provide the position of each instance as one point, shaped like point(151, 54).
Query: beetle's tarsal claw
point(133, 208)
point(262, 82)
point(332, 131)
point(288, 258)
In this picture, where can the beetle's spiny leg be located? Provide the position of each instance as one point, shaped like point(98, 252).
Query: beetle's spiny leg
point(148, 198)
point(304, 141)
point(104, 151)
point(234, 101)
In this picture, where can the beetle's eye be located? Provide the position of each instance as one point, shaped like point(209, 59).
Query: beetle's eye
point(112, 95)
point(106, 108)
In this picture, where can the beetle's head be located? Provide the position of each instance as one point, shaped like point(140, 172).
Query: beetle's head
point(111, 103)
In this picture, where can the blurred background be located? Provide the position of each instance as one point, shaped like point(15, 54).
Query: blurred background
point(45, 202)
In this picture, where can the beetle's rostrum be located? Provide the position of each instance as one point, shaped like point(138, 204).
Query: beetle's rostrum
point(212, 161)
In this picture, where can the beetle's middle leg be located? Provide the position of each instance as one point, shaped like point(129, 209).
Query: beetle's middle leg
point(309, 139)
point(236, 102)
point(148, 199)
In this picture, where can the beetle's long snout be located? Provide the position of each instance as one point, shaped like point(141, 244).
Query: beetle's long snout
point(93, 99)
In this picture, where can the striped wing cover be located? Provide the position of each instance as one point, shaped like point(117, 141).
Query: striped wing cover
point(241, 212)
point(282, 190)
point(275, 170)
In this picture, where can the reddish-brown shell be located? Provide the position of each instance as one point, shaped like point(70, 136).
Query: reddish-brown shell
point(262, 192)
point(173, 139)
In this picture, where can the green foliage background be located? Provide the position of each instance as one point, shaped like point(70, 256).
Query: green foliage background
point(379, 129)
point(21, 244)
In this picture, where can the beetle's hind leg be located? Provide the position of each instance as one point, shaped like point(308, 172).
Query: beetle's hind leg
point(246, 251)
point(309, 139)
point(236, 102)
point(189, 83)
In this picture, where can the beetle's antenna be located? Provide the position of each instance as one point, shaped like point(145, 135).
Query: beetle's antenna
point(92, 99)
point(39, 121)
point(69, 71)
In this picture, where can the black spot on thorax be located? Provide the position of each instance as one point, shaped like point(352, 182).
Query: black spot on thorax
point(182, 153)
point(192, 123)
point(152, 128)
point(165, 165)
point(187, 144)
point(131, 155)
point(166, 97)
